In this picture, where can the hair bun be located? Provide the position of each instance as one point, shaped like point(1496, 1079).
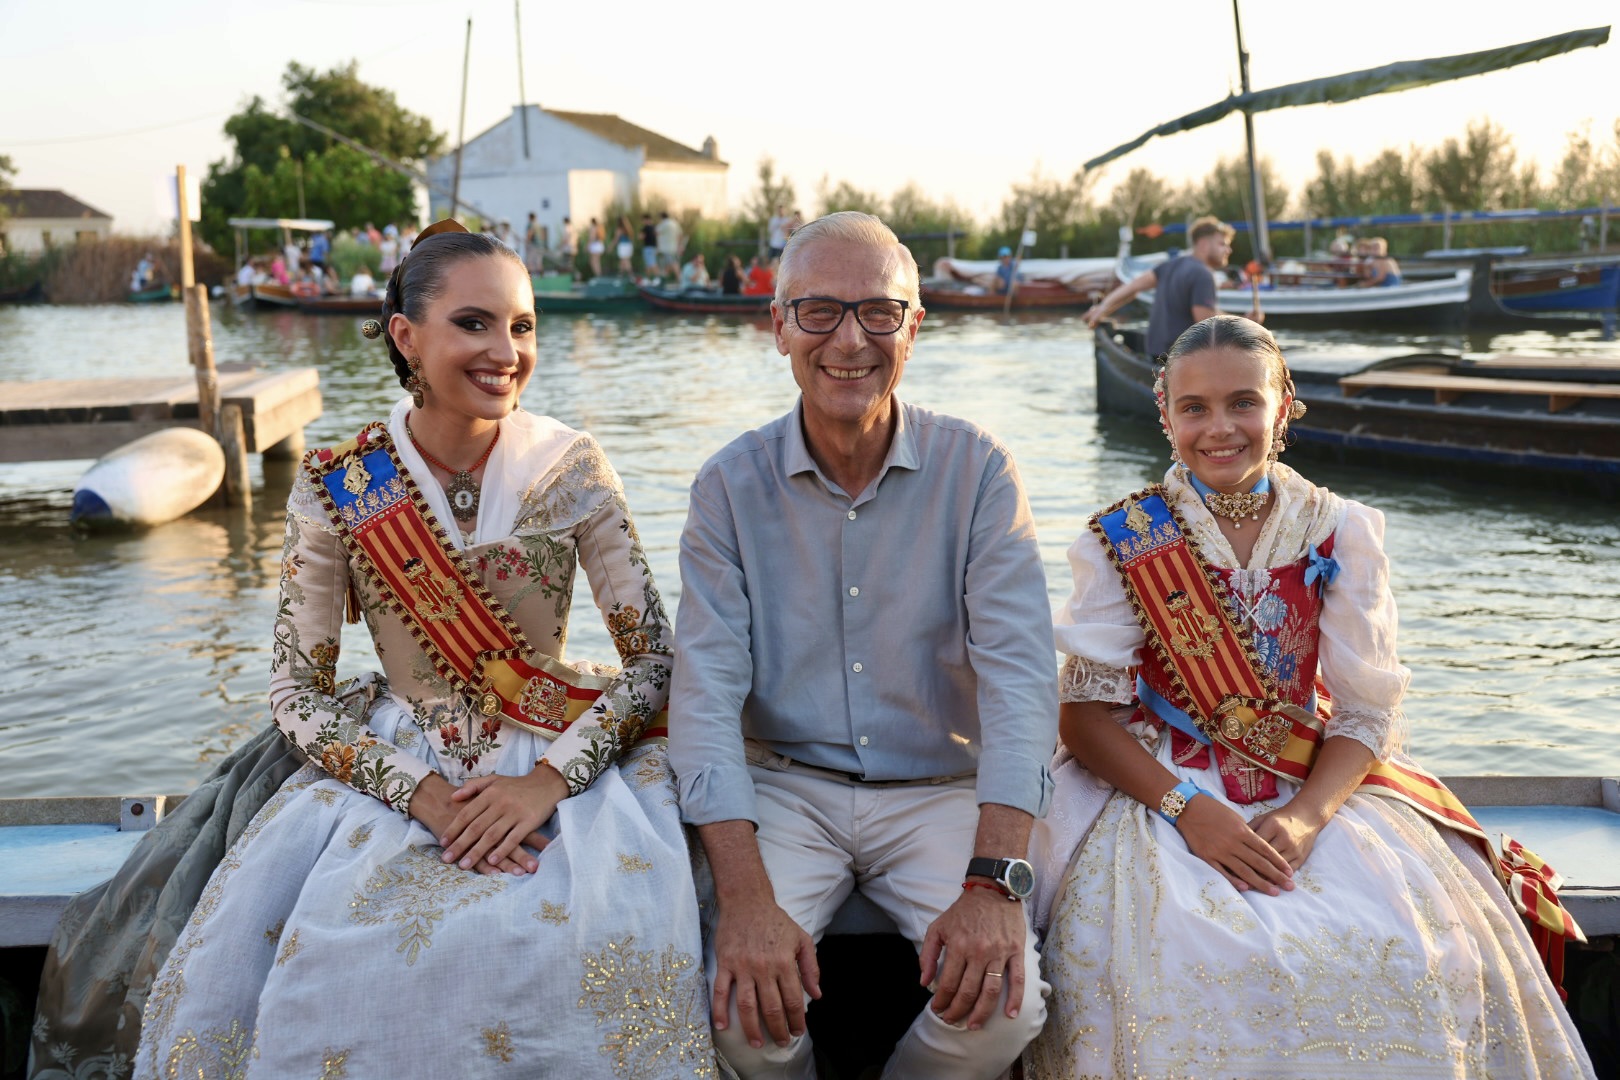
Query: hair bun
point(372, 329)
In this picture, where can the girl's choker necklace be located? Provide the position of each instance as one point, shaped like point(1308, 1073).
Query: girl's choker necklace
point(1235, 507)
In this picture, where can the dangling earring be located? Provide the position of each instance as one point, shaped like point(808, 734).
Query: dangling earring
point(415, 385)
point(1278, 433)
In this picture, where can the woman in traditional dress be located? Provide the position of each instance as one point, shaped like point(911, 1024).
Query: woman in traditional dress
point(481, 870)
point(1236, 887)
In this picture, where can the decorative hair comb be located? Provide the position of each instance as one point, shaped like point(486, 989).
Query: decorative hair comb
point(442, 226)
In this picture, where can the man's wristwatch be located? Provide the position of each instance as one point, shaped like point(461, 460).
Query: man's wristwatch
point(1015, 876)
point(1175, 800)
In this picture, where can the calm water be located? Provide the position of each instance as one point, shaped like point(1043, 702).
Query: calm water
point(131, 662)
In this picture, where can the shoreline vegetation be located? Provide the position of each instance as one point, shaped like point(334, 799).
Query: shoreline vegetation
point(281, 168)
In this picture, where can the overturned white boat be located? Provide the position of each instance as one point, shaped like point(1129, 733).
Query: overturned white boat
point(154, 479)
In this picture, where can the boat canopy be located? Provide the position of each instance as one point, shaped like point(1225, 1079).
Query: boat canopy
point(299, 224)
point(1404, 75)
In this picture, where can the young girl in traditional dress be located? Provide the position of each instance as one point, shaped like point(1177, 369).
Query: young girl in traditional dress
point(481, 871)
point(1236, 887)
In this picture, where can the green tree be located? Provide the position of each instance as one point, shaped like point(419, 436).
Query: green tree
point(846, 196)
point(7, 171)
point(1143, 197)
point(772, 192)
point(354, 188)
point(1063, 210)
point(1480, 171)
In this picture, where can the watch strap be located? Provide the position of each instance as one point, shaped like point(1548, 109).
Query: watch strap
point(984, 866)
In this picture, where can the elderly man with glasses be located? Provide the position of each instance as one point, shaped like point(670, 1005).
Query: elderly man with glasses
point(866, 692)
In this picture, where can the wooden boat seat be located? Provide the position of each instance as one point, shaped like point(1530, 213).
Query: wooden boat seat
point(1448, 388)
point(53, 849)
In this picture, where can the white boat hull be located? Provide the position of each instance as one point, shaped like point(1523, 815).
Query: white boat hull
point(1448, 295)
point(154, 479)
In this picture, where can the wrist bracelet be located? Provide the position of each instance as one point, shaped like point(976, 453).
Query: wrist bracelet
point(1176, 799)
point(992, 886)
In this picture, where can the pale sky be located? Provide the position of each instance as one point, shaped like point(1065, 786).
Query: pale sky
point(103, 98)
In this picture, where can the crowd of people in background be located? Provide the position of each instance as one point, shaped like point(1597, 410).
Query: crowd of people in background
point(653, 252)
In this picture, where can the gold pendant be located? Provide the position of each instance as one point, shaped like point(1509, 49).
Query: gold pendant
point(463, 493)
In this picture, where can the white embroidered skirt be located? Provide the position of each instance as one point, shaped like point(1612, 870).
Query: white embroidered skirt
point(333, 942)
point(1396, 954)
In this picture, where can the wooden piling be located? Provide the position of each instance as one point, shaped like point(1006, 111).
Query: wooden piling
point(236, 489)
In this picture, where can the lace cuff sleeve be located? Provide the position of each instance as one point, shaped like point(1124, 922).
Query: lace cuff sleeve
point(1086, 680)
point(1381, 732)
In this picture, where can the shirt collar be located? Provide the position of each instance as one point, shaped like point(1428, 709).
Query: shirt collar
point(902, 447)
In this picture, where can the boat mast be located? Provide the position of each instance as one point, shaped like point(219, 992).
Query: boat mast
point(461, 131)
point(1259, 236)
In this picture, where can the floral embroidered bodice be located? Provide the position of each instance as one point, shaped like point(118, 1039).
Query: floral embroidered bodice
point(573, 514)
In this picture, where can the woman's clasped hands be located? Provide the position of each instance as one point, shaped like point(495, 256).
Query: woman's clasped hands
point(491, 823)
point(1260, 855)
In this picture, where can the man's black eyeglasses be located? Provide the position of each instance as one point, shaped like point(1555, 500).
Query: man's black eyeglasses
point(876, 315)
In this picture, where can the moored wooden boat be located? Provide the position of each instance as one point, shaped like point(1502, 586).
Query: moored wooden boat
point(601, 294)
point(705, 302)
point(264, 294)
point(1427, 409)
point(340, 305)
point(157, 294)
point(1438, 301)
point(1563, 286)
point(53, 849)
point(1028, 296)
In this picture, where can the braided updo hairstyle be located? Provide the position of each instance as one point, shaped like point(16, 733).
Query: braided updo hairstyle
point(419, 279)
point(1235, 332)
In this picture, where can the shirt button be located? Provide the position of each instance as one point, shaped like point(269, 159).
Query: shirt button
point(852, 515)
point(856, 667)
point(863, 740)
point(854, 590)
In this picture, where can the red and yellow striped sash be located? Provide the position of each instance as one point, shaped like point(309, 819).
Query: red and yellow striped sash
point(473, 642)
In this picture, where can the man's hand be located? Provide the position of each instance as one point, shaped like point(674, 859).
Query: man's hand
point(1291, 833)
point(497, 816)
point(762, 954)
point(1093, 315)
point(972, 952)
point(1218, 834)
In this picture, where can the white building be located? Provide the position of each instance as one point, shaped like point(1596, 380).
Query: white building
point(40, 218)
point(576, 165)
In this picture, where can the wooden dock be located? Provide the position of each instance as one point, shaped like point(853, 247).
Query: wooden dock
point(56, 419)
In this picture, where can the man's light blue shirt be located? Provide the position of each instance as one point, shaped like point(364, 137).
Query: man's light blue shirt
point(903, 634)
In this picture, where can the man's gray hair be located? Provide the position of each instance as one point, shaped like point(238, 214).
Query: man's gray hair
point(849, 227)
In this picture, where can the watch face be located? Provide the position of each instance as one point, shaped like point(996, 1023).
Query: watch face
point(1020, 879)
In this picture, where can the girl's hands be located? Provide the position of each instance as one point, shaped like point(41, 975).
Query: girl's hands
point(1217, 834)
point(499, 817)
point(1290, 831)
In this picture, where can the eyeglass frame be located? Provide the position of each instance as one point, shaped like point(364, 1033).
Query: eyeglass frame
point(848, 306)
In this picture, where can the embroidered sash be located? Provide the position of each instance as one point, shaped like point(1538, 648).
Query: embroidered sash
point(474, 644)
point(1231, 698)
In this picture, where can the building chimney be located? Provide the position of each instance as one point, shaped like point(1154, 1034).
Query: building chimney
point(711, 149)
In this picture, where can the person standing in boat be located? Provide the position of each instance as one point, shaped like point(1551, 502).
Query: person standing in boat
point(483, 831)
point(1184, 287)
point(1244, 875)
point(853, 709)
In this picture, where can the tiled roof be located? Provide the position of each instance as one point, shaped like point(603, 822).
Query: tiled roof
point(612, 127)
point(47, 203)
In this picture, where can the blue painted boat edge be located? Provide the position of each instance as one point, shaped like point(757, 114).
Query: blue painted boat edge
point(1473, 455)
point(89, 507)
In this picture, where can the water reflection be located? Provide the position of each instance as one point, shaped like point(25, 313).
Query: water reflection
point(148, 654)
